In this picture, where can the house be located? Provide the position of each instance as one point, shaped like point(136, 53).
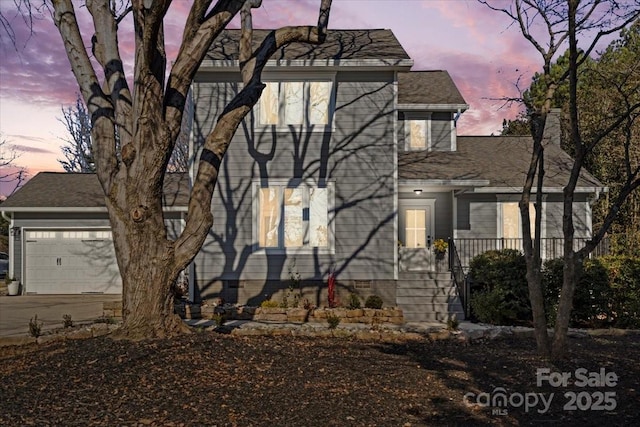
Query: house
point(350, 165)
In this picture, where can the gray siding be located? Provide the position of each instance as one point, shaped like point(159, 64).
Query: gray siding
point(357, 157)
point(476, 216)
point(441, 131)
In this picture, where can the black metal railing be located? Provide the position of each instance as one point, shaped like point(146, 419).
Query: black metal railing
point(551, 247)
point(459, 278)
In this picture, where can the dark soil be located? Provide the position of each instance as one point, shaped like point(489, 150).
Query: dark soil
point(208, 379)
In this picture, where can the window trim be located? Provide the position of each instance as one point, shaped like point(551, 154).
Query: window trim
point(258, 184)
point(500, 218)
point(305, 78)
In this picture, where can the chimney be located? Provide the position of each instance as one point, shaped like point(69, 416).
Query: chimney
point(552, 130)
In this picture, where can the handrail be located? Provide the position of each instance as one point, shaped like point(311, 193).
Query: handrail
point(551, 247)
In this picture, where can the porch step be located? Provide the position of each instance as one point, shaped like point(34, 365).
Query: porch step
point(428, 297)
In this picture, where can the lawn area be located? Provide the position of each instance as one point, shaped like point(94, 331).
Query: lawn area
point(208, 378)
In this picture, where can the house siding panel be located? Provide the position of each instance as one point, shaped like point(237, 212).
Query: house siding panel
point(441, 132)
point(357, 158)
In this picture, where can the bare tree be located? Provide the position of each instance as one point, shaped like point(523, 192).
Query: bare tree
point(563, 21)
point(145, 120)
point(10, 174)
point(78, 150)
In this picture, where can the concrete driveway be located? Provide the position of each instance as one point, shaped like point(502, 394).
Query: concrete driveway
point(16, 311)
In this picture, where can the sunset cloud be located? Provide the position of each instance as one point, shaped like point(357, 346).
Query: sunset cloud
point(483, 53)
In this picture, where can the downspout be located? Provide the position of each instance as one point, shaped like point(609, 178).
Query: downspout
point(11, 258)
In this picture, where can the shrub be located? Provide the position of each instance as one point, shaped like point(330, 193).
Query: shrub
point(373, 301)
point(624, 290)
point(591, 297)
point(35, 327)
point(67, 322)
point(354, 301)
point(453, 323)
point(500, 294)
point(269, 304)
point(333, 320)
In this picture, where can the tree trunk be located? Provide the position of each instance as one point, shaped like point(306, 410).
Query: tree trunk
point(147, 299)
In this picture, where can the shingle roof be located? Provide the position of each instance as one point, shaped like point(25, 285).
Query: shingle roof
point(340, 44)
point(82, 190)
point(428, 87)
point(502, 160)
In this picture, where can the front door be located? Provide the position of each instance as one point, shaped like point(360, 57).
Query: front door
point(416, 237)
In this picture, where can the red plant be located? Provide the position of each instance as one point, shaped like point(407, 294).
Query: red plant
point(332, 290)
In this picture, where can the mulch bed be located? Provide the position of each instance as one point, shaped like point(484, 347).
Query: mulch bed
point(207, 378)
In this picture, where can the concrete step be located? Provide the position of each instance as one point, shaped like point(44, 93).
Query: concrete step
point(428, 297)
point(408, 276)
point(425, 316)
point(431, 291)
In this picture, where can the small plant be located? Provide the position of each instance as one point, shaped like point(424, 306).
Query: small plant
point(374, 301)
point(218, 319)
point(376, 323)
point(35, 327)
point(354, 301)
point(440, 246)
point(105, 318)
point(333, 320)
point(453, 323)
point(8, 279)
point(306, 304)
point(268, 303)
point(67, 322)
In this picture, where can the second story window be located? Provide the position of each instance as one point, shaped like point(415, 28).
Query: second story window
point(290, 103)
point(417, 134)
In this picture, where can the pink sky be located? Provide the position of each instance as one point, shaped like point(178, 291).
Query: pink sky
point(484, 56)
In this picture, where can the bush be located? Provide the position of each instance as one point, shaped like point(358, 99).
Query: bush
point(624, 290)
point(269, 304)
point(374, 301)
point(333, 320)
point(591, 297)
point(354, 301)
point(500, 294)
point(67, 321)
point(35, 327)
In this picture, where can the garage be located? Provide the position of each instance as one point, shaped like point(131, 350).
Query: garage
point(70, 261)
point(60, 237)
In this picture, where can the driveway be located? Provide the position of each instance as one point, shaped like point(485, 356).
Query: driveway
point(16, 311)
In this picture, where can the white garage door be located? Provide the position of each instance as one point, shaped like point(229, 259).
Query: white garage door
point(71, 262)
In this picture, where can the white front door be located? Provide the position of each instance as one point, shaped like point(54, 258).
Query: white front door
point(416, 225)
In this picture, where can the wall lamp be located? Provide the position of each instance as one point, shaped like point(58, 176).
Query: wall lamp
point(15, 231)
point(418, 191)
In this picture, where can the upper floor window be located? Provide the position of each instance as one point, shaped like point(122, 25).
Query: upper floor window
point(293, 217)
point(288, 103)
point(417, 134)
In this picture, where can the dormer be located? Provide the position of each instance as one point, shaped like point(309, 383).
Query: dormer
point(429, 105)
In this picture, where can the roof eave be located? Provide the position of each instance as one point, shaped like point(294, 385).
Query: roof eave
point(86, 209)
point(506, 189)
point(433, 107)
point(226, 65)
